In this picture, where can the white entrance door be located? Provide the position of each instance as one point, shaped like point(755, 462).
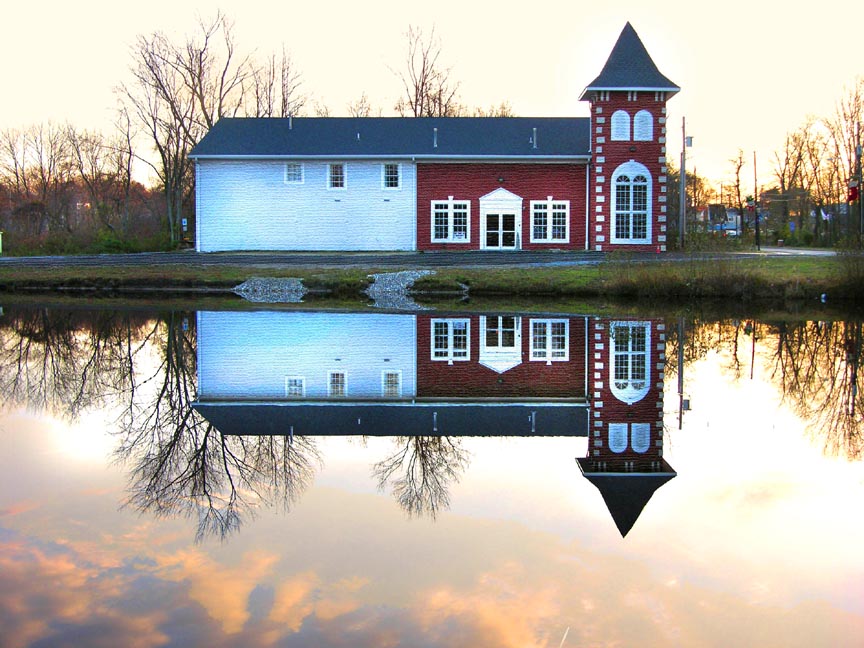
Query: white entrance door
point(500, 220)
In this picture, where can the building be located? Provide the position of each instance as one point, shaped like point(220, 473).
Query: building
point(311, 373)
point(469, 183)
point(625, 451)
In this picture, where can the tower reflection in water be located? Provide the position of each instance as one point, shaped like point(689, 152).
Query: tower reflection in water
point(432, 379)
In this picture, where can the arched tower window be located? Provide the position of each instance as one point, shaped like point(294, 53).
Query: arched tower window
point(631, 207)
point(643, 126)
point(630, 378)
point(620, 126)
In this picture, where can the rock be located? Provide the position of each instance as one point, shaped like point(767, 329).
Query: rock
point(272, 291)
point(390, 290)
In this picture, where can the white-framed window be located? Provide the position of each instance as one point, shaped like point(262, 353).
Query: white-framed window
point(391, 175)
point(631, 218)
point(550, 340)
point(391, 383)
point(337, 177)
point(629, 364)
point(337, 384)
point(643, 126)
point(451, 221)
point(620, 131)
point(550, 221)
point(293, 173)
point(637, 436)
point(500, 332)
point(451, 339)
point(295, 386)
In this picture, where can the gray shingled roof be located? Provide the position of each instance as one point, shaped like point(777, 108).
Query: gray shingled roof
point(397, 137)
point(629, 67)
point(626, 494)
point(405, 418)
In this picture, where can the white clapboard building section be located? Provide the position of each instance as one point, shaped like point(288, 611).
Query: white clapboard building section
point(305, 205)
point(292, 357)
point(314, 373)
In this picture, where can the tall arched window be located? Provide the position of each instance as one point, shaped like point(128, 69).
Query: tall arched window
point(643, 126)
point(631, 220)
point(630, 378)
point(620, 126)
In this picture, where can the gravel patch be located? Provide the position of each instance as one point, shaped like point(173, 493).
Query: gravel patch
point(390, 290)
point(272, 291)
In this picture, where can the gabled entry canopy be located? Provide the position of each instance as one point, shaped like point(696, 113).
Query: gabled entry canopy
point(629, 67)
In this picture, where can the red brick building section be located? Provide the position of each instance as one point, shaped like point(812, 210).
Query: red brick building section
point(532, 182)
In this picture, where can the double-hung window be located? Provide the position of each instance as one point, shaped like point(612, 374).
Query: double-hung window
point(391, 384)
point(293, 173)
point(336, 176)
point(550, 340)
point(451, 339)
point(390, 176)
point(550, 221)
point(451, 221)
point(295, 386)
point(337, 384)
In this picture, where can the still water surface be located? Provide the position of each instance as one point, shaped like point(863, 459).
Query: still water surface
point(285, 478)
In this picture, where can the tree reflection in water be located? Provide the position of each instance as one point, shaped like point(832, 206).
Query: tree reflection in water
point(817, 364)
point(66, 362)
point(420, 472)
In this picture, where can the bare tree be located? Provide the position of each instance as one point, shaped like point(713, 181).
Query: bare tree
point(429, 90)
point(420, 472)
point(177, 93)
point(361, 107)
point(787, 171)
point(737, 165)
point(504, 109)
point(276, 89)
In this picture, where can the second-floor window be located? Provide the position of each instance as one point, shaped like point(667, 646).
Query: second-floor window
point(336, 176)
point(337, 384)
point(391, 177)
point(293, 173)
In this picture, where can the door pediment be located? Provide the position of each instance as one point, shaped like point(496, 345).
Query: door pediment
point(501, 195)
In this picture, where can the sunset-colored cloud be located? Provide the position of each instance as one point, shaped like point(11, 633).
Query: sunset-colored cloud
point(221, 590)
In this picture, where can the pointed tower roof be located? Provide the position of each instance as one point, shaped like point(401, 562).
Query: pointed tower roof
point(629, 67)
point(626, 494)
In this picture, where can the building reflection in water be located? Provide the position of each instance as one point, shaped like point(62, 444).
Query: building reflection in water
point(429, 380)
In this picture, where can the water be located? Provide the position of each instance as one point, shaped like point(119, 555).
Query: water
point(285, 478)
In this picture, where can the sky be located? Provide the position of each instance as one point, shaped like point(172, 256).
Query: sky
point(750, 72)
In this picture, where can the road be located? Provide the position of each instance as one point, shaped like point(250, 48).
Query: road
point(369, 259)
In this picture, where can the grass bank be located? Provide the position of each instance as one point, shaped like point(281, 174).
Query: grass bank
point(729, 278)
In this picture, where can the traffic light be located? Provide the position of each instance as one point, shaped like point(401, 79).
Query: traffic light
point(852, 196)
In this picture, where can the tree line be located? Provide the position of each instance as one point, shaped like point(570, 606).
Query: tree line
point(806, 197)
point(62, 187)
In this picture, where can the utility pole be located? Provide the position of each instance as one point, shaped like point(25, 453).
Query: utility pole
point(756, 201)
point(682, 197)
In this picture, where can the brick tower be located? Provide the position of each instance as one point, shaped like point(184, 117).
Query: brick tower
point(627, 207)
point(625, 445)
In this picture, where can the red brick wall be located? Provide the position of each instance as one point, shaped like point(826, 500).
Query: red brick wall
point(435, 378)
point(606, 408)
point(608, 155)
point(472, 181)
